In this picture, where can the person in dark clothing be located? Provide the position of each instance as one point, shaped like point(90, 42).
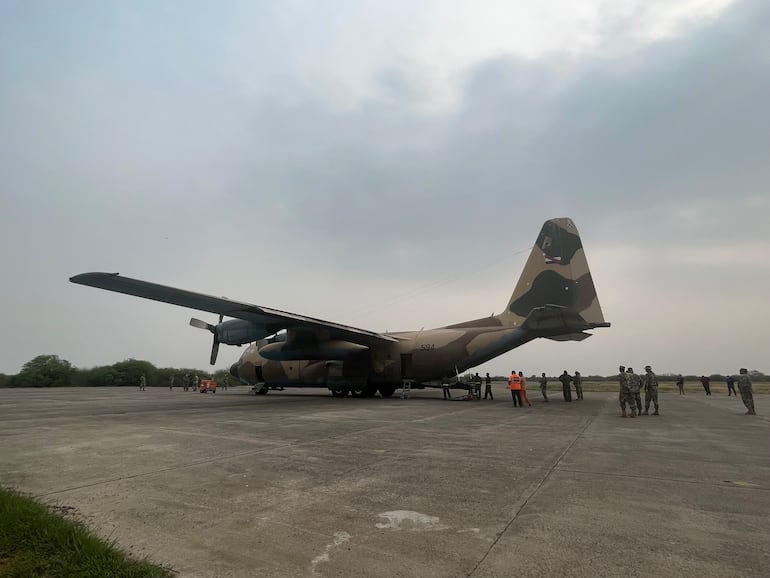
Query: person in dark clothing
point(706, 383)
point(731, 386)
point(488, 388)
point(566, 379)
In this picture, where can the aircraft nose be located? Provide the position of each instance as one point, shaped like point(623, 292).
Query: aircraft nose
point(234, 370)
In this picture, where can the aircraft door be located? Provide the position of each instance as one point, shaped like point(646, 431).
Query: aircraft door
point(406, 365)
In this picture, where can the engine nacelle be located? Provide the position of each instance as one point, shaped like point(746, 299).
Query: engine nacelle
point(336, 349)
point(239, 331)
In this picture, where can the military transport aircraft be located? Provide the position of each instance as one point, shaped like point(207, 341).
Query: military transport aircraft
point(555, 298)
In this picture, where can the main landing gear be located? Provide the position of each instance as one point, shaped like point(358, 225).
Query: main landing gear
point(365, 391)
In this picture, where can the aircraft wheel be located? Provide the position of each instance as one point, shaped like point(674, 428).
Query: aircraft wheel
point(363, 392)
point(339, 392)
point(387, 391)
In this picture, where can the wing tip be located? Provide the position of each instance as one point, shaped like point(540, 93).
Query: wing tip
point(84, 278)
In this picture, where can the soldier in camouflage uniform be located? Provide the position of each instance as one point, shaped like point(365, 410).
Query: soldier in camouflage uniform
point(635, 387)
point(744, 385)
point(625, 396)
point(650, 390)
point(577, 381)
point(544, 386)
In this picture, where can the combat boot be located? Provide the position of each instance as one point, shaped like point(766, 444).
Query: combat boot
point(633, 413)
point(655, 412)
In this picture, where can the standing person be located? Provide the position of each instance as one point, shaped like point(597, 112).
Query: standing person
point(625, 396)
point(171, 383)
point(142, 383)
point(524, 397)
point(225, 382)
point(445, 389)
point(477, 386)
point(186, 381)
point(680, 383)
point(565, 379)
point(706, 383)
point(488, 388)
point(514, 382)
point(650, 390)
point(635, 387)
point(578, 383)
point(747, 395)
point(544, 386)
point(731, 386)
point(195, 382)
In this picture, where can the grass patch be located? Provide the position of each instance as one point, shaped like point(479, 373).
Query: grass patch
point(34, 541)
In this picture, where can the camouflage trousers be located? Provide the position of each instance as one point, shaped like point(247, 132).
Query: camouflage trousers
point(747, 396)
point(626, 397)
point(650, 394)
point(637, 399)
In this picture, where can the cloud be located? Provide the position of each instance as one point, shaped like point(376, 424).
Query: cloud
point(386, 169)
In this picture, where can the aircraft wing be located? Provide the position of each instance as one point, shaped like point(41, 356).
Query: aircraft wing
point(272, 319)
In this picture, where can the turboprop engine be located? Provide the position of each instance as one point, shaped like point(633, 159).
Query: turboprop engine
point(286, 351)
point(232, 332)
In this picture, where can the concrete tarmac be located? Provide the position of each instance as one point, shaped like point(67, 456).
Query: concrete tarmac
point(298, 483)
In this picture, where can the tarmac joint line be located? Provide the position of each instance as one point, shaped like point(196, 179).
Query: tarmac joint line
point(534, 490)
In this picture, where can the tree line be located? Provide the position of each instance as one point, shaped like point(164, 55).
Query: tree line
point(52, 371)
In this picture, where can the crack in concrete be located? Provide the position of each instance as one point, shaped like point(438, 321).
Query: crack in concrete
point(534, 490)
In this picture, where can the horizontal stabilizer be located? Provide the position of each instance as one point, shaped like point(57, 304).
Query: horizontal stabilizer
point(557, 319)
point(579, 336)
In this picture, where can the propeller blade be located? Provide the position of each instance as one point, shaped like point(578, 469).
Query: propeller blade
point(203, 325)
point(214, 350)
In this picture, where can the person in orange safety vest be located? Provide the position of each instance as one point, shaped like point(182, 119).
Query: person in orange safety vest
point(514, 382)
point(524, 389)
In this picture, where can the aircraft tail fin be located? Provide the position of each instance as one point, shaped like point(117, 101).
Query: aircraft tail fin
point(555, 294)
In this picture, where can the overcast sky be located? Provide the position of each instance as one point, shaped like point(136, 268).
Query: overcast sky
point(386, 165)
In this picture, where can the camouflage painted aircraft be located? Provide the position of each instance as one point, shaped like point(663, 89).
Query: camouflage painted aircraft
point(555, 298)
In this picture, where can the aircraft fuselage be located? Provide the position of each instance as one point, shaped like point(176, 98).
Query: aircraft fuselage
point(422, 356)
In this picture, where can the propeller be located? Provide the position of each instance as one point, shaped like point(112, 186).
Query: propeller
point(213, 328)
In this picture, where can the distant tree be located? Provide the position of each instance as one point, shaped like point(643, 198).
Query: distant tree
point(220, 375)
point(5, 380)
point(105, 375)
point(162, 375)
point(44, 371)
point(128, 372)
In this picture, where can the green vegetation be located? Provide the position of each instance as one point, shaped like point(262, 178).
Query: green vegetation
point(52, 371)
point(36, 542)
point(44, 371)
